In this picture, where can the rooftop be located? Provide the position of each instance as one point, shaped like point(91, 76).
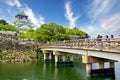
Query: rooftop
point(21, 14)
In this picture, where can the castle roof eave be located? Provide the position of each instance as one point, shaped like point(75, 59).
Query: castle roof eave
point(21, 14)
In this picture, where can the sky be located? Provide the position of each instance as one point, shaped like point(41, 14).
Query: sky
point(92, 16)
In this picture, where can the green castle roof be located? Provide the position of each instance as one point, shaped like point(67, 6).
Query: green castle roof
point(21, 14)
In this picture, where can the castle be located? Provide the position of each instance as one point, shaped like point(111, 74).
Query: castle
point(22, 22)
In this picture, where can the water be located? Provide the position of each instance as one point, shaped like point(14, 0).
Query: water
point(46, 71)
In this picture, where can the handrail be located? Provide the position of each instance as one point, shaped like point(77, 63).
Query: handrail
point(98, 43)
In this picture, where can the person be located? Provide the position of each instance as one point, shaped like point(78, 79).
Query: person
point(106, 36)
point(112, 36)
point(98, 38)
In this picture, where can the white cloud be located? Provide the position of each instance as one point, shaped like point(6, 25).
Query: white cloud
point(106, 20)
point(14, 3)
point(92, 30)
point(111, 24)
point(107, 26)
point(41, 20)
point(34, 19)
point(69, 15)
point(9, 10)
point(99, 7)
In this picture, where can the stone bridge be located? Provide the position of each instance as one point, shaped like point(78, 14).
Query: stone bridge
point(90, 51)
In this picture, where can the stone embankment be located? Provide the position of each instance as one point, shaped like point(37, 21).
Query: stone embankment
point(12, 48)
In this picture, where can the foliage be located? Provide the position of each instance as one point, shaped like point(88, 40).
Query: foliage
point(2, 21)
point(4, 26)
point(8, 27)
point(38, 50)
point(76, 31)
point(23, 35)
point(30, 34)
point(52, 32)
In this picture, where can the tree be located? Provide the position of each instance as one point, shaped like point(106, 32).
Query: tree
point(23, 35)
point(30, 33)
point(8, 27)
point(76, 31)
point(51, 32)
point(2, 21)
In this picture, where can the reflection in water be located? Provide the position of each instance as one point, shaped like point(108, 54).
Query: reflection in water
point(100, 78)
point(47, 71)
point(44, 69)
point(55, 73)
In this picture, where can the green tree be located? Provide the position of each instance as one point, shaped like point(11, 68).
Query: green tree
point(51, 32)
point(76, 31)
point(8, 27)
point(2, 21)
point(23, 35)
point(30, 33)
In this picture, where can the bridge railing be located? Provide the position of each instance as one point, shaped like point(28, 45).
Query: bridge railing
point(99, 43)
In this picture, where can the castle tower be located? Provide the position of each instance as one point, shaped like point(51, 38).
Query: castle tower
point(22, 22)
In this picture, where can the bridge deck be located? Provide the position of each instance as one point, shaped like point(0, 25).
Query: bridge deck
point(112, 45)
point(103, 48)
point(95, 53)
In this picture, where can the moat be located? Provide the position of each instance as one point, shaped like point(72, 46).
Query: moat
point(47, 71)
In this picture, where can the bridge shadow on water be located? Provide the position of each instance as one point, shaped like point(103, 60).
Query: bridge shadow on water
point(107, 73)
point(101, 78)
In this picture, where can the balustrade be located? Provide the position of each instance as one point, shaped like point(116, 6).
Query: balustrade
point(102, 43)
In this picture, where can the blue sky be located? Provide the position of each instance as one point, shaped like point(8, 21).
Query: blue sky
point(93, 16)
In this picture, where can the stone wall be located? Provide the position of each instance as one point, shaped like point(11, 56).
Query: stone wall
point(15, 49)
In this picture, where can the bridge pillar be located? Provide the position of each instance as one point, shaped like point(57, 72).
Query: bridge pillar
point(56, 60)
point(112, 64)
point(112, 68)
point(87, 60)
point(50, 55)
point(101, 65)
point(88, 69)
point(66, 62)
point(64, 57)
point(71, 57)
point(45, 56)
